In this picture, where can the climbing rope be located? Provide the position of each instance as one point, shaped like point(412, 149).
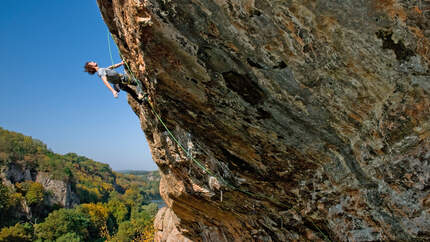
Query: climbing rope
point(110, 51)
point(162, 122)
point(199, 164)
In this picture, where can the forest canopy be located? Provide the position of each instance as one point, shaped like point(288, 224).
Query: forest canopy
point(109, 206)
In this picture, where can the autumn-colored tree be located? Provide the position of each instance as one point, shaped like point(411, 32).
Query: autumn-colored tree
point(117, 203)
point(33, 192)
point(98, 213)
point(19, 233)
point(147, 235)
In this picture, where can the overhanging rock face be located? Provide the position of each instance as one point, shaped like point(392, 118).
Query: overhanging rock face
point(311, 117)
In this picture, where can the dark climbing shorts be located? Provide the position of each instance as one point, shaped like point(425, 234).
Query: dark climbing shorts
point(125, 80)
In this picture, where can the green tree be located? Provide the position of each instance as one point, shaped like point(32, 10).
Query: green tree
point(135, 195)
point(126, 232)
point(99, 214)
point(4, 198)
point(19, 233)
point(144, 212)
point(35, 194)
point(63, 221)
point(134, 230)
point(9, 201)
point(69, 237)
point(118, 209)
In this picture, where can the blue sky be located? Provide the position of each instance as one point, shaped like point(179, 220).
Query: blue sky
point(46, 94)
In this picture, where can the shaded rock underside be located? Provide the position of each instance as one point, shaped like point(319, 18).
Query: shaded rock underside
point(318, 109)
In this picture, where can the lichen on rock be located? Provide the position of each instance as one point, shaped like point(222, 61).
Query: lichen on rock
point(315, 114)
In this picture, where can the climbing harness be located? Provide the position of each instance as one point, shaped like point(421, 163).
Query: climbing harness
point(199, 164)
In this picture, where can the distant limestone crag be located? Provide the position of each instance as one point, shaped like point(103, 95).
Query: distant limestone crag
point(311, 118)
point(34, 181)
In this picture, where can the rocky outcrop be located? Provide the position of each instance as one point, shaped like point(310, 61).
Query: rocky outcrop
point(311, 118)
point(166, 224)
point(58, 192)
point(13, 173)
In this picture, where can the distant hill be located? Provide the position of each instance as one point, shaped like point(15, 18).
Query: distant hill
point(150, 180)
point(146, 175)
point(139, 172)
point(36, 183)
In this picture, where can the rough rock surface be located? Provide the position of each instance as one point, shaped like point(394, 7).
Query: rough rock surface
point(60, 192)
point(166, 224)
point(311, 116)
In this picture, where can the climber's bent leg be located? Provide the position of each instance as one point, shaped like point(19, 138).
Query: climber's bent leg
point(141, 94)
point(126, 88)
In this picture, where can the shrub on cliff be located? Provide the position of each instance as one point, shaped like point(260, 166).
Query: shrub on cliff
point(33, 192)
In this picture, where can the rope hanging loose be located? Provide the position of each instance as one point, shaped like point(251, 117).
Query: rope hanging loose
point(199, 164)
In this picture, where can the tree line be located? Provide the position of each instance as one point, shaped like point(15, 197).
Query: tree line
point(112, 206)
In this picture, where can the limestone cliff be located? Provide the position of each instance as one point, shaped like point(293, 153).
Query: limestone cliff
point(312, 116)
point(58, 192)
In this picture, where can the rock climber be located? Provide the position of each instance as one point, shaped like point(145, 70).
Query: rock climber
point(119, 81)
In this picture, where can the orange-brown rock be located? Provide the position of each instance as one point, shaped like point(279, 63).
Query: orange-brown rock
point(310, 117)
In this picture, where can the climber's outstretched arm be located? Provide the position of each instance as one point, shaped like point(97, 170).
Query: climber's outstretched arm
point(116, 65)
point(115, 93)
